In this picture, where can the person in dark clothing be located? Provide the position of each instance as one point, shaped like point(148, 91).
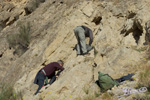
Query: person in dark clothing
point(48, 71)
point(81, 32)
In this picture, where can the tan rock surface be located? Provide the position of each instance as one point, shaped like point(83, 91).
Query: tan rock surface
point(119, 34)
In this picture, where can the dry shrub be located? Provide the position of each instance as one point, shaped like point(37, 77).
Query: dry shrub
point(147, 56)
point(7, 92)
point(106, 96)
point(20, 41)
point(90, 97)
point(144, 76)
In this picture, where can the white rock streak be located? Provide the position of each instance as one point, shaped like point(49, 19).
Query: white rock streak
point(128, 91)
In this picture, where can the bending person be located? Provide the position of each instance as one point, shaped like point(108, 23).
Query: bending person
point(81, 32)
point(48, 71)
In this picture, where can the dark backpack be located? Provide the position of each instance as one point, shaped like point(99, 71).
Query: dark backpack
point(106, 82)
point(124, 78)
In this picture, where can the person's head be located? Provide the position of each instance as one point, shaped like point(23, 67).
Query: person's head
point(61, 63)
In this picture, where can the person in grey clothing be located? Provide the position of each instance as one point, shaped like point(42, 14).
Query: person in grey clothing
point(81, 32)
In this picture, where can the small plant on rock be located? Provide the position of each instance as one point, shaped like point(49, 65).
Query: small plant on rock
point(7, 92)
point(144, 76)
point(20, 41)
point(106, 96)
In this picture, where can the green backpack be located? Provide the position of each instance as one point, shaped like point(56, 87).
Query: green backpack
point(106, 82)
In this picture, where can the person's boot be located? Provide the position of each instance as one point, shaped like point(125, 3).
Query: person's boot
point(85, 54)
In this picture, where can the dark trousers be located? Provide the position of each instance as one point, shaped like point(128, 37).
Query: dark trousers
point(53, 78)
point(41, 79)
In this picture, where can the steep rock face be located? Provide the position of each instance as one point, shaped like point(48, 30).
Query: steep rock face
point(43, 30)
point(119, 34)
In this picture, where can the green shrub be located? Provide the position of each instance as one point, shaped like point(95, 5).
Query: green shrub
point(86, 89)
point(144, 76)
point(7, 93)
point(12, 40)
point(89, 97)
point(20, 41)
point(143, 97)
point(34, 4)
point(141, 49)
point(95, 51)
point(24, 35)
point(106, 96)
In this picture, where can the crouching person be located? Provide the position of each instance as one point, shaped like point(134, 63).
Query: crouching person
point(81, 32)
point(48, 71)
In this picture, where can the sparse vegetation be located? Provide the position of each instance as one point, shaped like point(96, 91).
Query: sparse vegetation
point(106, 96)
point(144, 76)
point(86, 89)
point(35, 4)
point(148, 53)
point(139, 49)
point(97, 94)
point(95, 51)
point(20, 41)
point(24, 35)
point(90, 97)
point(145, 97)
point(41, 98)
point(143, 81)
point(7, 93)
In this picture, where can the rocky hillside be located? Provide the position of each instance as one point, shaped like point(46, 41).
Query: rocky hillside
point(119, 37)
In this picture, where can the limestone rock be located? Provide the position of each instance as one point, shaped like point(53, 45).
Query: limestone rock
point(88, 9)
point(119, 33)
